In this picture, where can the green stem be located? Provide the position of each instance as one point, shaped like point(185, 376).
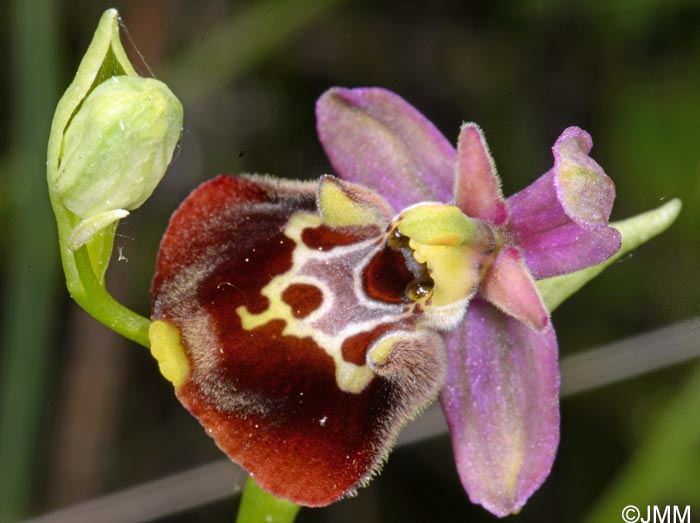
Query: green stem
point(258, 506)
point(92, 296)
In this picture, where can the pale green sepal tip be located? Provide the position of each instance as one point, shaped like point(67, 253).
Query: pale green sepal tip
point(100, 248)
point(85, 230)
point(635, 231)
point(104, 57)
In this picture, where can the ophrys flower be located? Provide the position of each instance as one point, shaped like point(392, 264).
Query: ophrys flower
point(304, 323)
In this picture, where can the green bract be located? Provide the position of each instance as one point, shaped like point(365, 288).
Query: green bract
point(635, 231)
point(116, 149)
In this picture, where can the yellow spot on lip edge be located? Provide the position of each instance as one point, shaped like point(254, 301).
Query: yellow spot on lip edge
point(379, 353)
point(339, 209)
point(166, 348)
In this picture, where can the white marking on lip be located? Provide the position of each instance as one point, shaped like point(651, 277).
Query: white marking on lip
point(340, 300)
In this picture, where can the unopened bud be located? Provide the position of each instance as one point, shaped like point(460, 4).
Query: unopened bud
point(116, 149)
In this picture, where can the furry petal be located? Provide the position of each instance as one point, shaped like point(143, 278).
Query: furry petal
point(501, 400)
point(374, 137)
point(561, 220)
point(509, 286)
point(477, 189)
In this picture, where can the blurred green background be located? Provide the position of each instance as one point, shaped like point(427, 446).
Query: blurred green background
point(85, 413)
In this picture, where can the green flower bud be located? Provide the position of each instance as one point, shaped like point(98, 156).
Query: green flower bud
point(116, 150)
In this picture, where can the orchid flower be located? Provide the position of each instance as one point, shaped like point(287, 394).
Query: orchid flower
point(501, 396)
point(304, 323)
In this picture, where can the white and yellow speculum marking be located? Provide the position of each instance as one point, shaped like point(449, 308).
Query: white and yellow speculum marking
point(327, 326)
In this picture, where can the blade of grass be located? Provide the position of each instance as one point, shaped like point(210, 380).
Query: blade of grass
point(31, 264)
point(664, 469)
point(156, 499)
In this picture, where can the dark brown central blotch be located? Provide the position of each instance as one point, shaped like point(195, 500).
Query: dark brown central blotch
point(324, 238)
point(302, 298)
point(386, 277)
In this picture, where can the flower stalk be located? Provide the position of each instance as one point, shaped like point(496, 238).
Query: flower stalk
point(128, 121)
point(259, 506)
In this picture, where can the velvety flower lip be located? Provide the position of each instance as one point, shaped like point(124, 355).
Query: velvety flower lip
point(282, 321)
point(501, 396)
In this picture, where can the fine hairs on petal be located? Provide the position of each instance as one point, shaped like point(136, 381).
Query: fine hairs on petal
point(417, 364)
point(374, 137)
point(560, 220)
point(477, 186)
point(584, 190)
point(509, 286)
point(501, 404)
